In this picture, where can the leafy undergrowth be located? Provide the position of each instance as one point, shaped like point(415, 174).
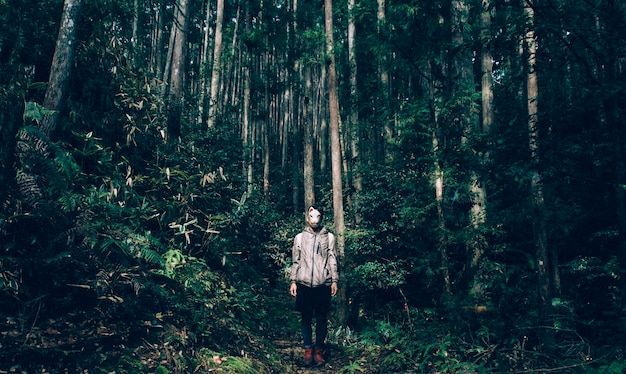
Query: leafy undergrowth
point(245, 330)
point(95, 340)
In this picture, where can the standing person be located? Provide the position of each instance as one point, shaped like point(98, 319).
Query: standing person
point(314, 278)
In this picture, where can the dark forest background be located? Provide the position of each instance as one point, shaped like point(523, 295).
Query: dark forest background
point(157, 157)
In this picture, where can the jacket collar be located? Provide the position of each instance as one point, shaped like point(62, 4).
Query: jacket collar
point(322, 231)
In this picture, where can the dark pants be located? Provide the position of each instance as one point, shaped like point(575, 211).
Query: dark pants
point(310, 301)
point(321, 329)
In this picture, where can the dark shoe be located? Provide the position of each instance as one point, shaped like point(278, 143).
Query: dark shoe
point(308, 356)
point(319, 357)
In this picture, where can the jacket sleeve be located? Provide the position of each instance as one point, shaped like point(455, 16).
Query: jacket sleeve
point(295, 258)
point(332, 258)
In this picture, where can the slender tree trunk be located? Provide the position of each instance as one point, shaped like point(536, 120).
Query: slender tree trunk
point(204, 62)
point(266, 120)
point(296, 111)
point(217, 64)
point(62, 63)
point(321, 109)
point(438, 179)
point(354, 134)
point(353, 122)
point(290, 92)
point(156, 50)
point(134, 40)
point(486, 81)
point(287, 120)
point(295, 165)
point(309, 141)
point(540, 236)
point(266, 161)
point(333, 103)
point(478, 211)
point(267, 124)
point(247, 135)
point(177, 73)
point(167, 69)
point(32, 152)
point(385, 91)
point(308, 169)
point(231, 91)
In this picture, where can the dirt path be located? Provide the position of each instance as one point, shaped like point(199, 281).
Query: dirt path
point(288, 342)
point(293, 354)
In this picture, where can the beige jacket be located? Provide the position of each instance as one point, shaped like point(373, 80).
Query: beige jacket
point(314, 261)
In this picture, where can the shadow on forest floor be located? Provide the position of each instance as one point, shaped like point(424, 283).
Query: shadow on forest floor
point(84, 342)
point(287, 342)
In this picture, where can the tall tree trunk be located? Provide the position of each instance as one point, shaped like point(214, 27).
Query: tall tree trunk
point(320, 111)
point(309, 141)
point(267, 119)
point(353, 129)
point(204, 62)
point(167, 69)
point(217, 64)
point(266, 161)
point(134, 40)
point(295, 110)
point(333, 103)
point(177, 73)
point(156, 47)
point(32, 151)
point(438, 178)
point(308, 169)
point(62, 63)
point(385, 91)
point(486, 80)
point(231, 91)
point(247, 131)
point(478, 211)
point(540, 236)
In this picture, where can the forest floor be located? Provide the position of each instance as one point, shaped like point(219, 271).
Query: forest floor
point(292, 353)
point(82, 342)
point(288, 345)
point(287, 341)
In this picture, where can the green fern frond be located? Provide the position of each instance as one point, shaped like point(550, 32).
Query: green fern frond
point(35, 111)
point(66, 164)
point(29, 188)
point(107, 243)
point(70, 202)
point(150, 256)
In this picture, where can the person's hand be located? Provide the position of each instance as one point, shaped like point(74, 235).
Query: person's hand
point(293, 290)
point(333, 289)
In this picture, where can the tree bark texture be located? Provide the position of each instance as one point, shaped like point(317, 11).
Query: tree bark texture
point(32, 147)
point(177, 63)
point(217, 64)
point(478, 189)
point(540, 236)
point(333, 103)
point(438, 181)
point(61, 69)
point(353, 129)
point(309, 146)
point(385, 91)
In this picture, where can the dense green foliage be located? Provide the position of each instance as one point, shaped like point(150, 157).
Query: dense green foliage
point(156, 256)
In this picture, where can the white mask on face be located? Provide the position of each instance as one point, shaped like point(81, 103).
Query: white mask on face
point(314, 216)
